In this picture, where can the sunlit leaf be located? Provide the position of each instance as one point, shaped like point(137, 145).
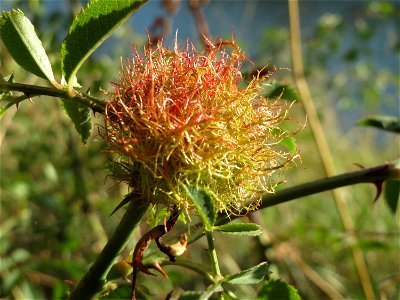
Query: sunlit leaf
point(204, 205)
point(290, 144)
point(277, 289)
point(90, 28)
point(388, 123)
point(246, 229)
point(249, 276)
point(21, 41)
point(9, 78)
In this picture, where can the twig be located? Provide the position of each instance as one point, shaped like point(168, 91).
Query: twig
point(368, 175)
point(94, 279)
point(29, 91)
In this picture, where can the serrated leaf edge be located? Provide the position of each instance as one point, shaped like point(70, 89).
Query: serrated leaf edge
point(46, 69)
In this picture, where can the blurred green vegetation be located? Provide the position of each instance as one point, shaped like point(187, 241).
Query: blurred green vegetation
point(56, 197)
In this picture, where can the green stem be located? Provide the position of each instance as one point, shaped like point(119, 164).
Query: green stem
point(375, 175)
point(369, 175)
point(191, 266)
point(95, 104)
point(212, 252)
point(214, 260)
point(95, 278)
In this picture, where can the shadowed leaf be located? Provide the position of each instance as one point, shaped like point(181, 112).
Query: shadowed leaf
point(392, 194)
point(388, 123)
point(80, 116)
point(204, 205)
point(277, 289)
point(128, 198)
point(282, 91)
point(249, 276)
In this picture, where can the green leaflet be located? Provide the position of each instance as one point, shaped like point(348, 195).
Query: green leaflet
point(290, 144)
point(392, 194)
point(388, 123)
point(204, 205)
point(244, 229)
point(80, 116)
point(89, 29)
point(249, 276)
point(6, 95)
point(277, 289)
point(216, 287)
point(282, 91)
point(21, 41)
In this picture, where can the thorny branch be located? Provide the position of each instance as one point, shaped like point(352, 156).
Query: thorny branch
point(156, 233)
point(375, 175)
point(29, 91)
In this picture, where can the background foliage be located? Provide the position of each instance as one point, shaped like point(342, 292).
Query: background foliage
point(55, 201)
